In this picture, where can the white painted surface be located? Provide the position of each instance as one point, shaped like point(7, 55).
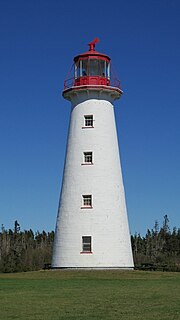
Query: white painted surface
point(107, 221)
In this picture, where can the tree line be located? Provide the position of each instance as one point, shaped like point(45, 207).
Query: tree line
point(28, 251)
point(24, 250)
point(158, 249)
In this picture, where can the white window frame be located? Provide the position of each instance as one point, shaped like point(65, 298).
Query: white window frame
point(88, 157)
point(87, 201)
point(86, 245)
point(90, 120)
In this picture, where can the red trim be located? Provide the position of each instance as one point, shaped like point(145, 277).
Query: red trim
point(87, 127)
point(86, 252)
point(91, 80)
point(86, 207)
point(92, 55)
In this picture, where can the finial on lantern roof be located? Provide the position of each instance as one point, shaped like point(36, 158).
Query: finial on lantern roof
point(92, 44)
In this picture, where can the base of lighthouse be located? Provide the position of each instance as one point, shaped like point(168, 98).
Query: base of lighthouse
point(92, 229)
point(93, 268)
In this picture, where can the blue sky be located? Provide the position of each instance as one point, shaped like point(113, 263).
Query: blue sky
point(38, 40)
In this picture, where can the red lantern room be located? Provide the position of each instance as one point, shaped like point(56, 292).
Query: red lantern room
point(92, 69)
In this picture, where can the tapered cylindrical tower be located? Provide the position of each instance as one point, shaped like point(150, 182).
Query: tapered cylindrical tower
point(92, 226)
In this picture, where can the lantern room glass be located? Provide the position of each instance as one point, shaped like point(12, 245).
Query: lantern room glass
point(92, 67)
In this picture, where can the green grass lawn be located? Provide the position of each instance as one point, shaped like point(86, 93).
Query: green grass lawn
point(85, 295)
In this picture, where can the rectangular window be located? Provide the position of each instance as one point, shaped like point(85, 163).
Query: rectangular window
point(87, 201)
point(88, 157)
point(88, 121)
point(86, 244)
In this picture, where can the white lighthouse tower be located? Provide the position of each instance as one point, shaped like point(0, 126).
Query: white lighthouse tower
point(92, 226)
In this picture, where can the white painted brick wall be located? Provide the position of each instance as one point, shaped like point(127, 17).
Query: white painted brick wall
point(107, 221)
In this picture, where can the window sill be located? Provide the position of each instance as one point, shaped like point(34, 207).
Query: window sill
point(90, 127)
point(86, 252)
point(86, 207)
point(87, 164)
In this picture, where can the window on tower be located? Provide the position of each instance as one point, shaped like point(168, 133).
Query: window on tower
point(87, 201)
point(88, 121)
point(88, 157)
point(86, 244)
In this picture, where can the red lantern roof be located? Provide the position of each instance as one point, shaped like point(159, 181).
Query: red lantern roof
point(92, 53)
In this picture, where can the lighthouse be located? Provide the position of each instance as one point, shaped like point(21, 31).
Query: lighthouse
point(92, 228)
